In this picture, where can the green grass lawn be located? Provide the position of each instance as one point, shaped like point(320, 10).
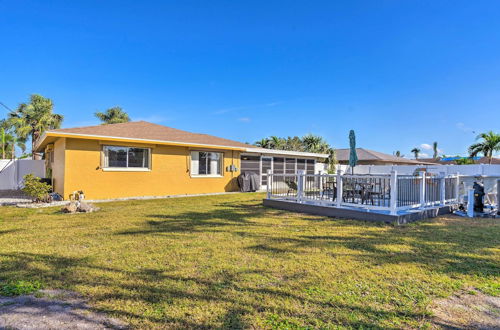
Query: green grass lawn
point(226, 261)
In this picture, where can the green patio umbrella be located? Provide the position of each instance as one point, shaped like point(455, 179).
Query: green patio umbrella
point(353, 157)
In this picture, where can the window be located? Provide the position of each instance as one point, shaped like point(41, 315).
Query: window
point(206, 163)
point(126, 157)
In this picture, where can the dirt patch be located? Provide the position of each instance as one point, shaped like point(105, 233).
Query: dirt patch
point(52, 309)
point(469, 309)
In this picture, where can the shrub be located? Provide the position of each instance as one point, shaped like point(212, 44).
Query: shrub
point(17, 288)
point(34, 188)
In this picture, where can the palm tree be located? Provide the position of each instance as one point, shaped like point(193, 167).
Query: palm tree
point(315, 143)
point(415, 151)
point(398, 154)
point(436, 150)
point(263, 143)
point(294, 144)
point(276, 142)
point(9, 144)
point(113, 115)
point(490, 143)
point(31, 119)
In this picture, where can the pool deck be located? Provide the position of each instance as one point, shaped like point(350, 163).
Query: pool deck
point(360, 214)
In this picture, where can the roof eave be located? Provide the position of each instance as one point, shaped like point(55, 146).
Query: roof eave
point(127, 139)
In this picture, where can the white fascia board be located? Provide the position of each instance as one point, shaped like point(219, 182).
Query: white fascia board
point(284, 152)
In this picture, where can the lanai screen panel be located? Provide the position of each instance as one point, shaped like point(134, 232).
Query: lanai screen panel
point(310, 166)
point(250, 164)
point(301, 164)
point(278, 165)
point(266, 165)
point(290, 165)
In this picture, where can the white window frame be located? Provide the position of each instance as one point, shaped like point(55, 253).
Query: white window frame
point(125, 169)
point(221, 165)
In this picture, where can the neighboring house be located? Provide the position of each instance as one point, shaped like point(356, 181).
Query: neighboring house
point(371, 157)
point(145, 159)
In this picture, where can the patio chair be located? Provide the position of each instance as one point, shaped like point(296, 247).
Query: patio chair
point(292, 187)
point(329, 190)
point(351, 191)
point(369, 192)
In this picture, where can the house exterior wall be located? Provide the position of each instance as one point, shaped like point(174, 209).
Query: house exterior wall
point(169, 174)
point(58, 165)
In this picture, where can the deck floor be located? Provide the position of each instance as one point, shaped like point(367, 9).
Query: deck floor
point(358, 213)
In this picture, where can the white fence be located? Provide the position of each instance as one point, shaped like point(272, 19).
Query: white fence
point(487, 174)
point(392, 193)
point(12, 171)
point(484, 170)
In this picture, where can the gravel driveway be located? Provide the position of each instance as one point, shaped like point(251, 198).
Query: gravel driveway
point(13, 197)
point(54, 309)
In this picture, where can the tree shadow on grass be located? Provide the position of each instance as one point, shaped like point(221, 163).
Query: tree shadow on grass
point(450, 248)
point(151, 287)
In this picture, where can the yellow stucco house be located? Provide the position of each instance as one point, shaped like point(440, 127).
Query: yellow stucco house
point(144, 159)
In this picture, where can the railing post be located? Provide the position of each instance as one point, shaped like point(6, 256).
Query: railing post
point(300, 184)
point(269, 184)
point(470, 203)
point(320, 184)
point(339, 188)
point(394, 192)
point(498, 197)
point(442, 191)
point(422, 189)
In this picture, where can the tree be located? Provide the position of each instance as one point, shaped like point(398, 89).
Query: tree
point(276, 143)
point(397, 153)
point(8, 141)
point(114, 115)
point(263, 143)
point(490, 143)
point(308, 143)
point(415, 151)
point(9, 144)
point(464, 161)
point(31, 119)
point(332, 160)
point(436, 150)
point(315, 143)
point(293, 144)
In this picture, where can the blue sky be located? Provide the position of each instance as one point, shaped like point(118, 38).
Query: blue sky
point(400, 73)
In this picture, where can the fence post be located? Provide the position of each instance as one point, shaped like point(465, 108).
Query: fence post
point(394, 192)
point(470, 203)
point(442, 184)
point(339, 188)
point(422, 189)
point(300, 184)
point(269, 184)
point(320, 183)
point(498, 197)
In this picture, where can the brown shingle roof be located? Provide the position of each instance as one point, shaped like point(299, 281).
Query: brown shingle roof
point(371, 155)
point(148, 131)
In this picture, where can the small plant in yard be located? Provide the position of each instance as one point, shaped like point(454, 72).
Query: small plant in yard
point(35, 188)
point(17, 288)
